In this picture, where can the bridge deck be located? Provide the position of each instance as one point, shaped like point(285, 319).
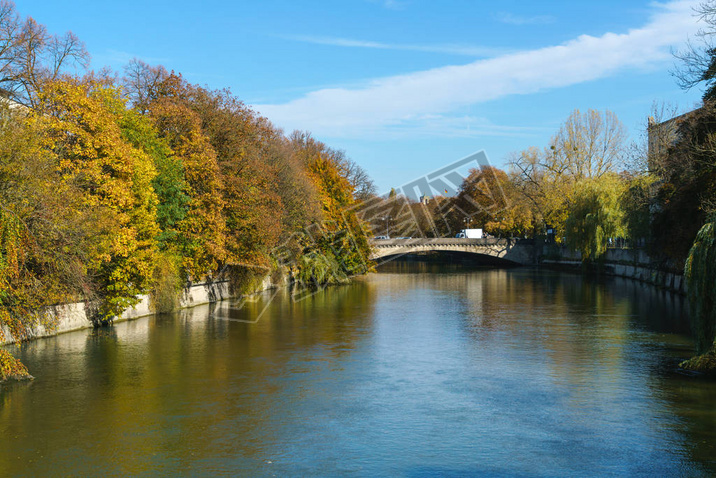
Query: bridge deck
point(514, 250)
point(445, 240)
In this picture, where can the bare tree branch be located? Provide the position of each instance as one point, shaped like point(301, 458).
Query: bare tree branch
point(30, 56)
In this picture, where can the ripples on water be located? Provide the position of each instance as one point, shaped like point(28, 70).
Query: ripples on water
point(416, 371)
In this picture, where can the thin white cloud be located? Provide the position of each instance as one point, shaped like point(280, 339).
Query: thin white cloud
point(400, 101)
point(468, 50)
point(391, 4)
point(511, 19)
point(461, 126)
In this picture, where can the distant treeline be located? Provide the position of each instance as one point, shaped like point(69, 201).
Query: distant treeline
point(589, 188)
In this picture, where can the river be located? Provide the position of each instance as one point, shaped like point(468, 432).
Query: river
point(419, 370)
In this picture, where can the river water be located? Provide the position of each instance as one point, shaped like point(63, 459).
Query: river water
point(416, 371)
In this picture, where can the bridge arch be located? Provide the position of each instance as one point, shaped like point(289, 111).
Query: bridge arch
point(513, 250)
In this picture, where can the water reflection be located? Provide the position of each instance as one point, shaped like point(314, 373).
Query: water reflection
point(418, 370)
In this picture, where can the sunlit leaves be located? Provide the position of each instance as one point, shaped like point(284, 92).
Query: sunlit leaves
point(201, 232)
point(81, 121)
point(596, 215)
point(587, 146)
point(46, 232)
point(101, 202)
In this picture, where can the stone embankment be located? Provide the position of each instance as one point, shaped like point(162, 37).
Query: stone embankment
point(71, 317)
point(630, 263)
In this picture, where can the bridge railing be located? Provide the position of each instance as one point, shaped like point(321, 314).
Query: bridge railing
point(444, 241)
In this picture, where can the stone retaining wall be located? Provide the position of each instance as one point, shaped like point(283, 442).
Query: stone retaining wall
point(73, 317)
point(630, 263)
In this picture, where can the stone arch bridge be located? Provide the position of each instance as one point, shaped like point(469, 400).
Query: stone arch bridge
point(517, 251)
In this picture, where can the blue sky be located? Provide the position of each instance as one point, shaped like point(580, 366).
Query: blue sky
point(403, 86)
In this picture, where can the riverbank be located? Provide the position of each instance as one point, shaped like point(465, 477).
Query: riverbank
point(72, 317)
point(628, 263)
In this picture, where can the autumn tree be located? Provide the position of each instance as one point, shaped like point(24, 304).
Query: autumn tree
point(587, 146)
point(30, 214)
point(245, 146)
point(202, 229)
point(337, 247)
point(517, 217)
point(299, 195)
point(545, 188)
point(81, 122)
point(268, 191)
point(487, 198)
point(248, 153)
point(46, 231)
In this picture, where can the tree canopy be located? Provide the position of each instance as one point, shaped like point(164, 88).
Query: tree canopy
point(110, 188)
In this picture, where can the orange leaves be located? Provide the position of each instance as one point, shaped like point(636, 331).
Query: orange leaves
point(81, 121)
point(11, 368)
point(231, 186)
point(203, 228)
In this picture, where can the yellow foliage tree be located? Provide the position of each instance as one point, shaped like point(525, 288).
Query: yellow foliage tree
point(81, 124)
point(587, 146)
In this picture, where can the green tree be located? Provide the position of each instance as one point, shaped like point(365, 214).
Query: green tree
point(595, 216)
point(169, 184)
point(700, 271)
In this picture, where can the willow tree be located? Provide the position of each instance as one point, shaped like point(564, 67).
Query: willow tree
point(595, 216)
point(700, 271)
point(587, 146)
